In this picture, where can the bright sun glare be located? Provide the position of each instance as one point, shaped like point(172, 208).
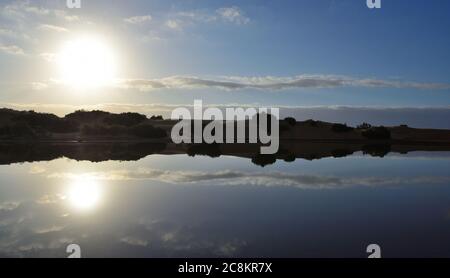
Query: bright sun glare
point(84, 194)
point(87, 62)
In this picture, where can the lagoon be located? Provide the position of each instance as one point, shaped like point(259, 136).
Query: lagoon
point(176, 205)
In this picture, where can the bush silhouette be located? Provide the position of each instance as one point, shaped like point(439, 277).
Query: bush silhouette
point(378, 150)
point(291, 121)
point(124, 119)
point(158, 118)
point(312, 123)
point(264, 159)
point(45, 122)
point(87, 116)
point(337, 153)
point(341, 128)
point(211, 150)
point(378, 133)
point(364, 126)
point(290, 158)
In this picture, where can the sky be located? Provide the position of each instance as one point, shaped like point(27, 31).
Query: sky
point(291, 53)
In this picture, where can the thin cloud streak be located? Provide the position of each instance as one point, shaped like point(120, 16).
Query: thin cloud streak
point(12, 49)
point(54, 28)
point(272, 83)
point(264, 179)
point(138, 19)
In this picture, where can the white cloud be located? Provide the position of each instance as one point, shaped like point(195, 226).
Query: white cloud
point(134, 241)
point(173, 24)
point(49, 199)
point(273, 83)
point(233, 15)
point(262, 83)
point(39, 86)
point(12, 34)
point(20, 19)
point(23, 10)
point(8, 206)
point(7, 32)
point(61, 14)
point(54, 28)
point(266, 179)
point(179, 20)
point(49, 57)
point(12, 49)
point(34, 170)
point(197, 16)
point(51, 229)
point(138, 19)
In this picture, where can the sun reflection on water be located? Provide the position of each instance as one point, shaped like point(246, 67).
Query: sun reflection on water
point(84, 193)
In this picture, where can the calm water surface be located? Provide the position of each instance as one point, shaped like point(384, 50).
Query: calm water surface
point(180, 206)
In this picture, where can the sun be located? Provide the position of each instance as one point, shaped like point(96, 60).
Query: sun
point(87, 62)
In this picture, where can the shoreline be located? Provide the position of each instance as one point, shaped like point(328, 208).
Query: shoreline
point(157, 141)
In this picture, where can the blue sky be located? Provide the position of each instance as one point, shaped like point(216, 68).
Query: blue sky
point(286, 53)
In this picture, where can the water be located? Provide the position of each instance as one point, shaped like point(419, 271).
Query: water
point(180, 206)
